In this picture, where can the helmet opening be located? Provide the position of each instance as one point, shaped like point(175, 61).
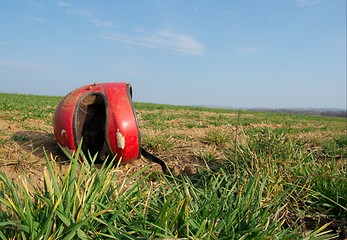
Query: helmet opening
point(89, 124)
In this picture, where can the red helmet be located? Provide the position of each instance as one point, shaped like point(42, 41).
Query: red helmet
point(102, 114)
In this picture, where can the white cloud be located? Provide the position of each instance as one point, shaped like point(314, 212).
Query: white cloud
point(226, 12)
point(164, 39)
point(248, 50)
point(80, 11)
point(64, 4)
point(120, 38)
point(36, 19)
point(307, 2)
point(69, 8)
point(86, 13)
point(34, 3)
point(139, 29)
point(100, 23)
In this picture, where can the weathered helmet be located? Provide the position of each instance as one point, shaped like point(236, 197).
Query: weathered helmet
point(102, 116)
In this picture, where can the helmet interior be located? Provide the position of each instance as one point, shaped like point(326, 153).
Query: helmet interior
point(89, 124)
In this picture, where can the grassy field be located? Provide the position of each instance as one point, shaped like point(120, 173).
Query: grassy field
point(260, 176)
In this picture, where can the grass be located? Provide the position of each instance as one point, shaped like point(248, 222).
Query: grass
point(246, 200)
point(264, 176)
point(27, 106)
point(217, 138)
point(159, 143)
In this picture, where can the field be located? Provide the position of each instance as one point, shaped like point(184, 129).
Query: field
point(243, 175)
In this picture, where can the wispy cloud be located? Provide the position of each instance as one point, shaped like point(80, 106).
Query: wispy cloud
point(86, 13)
point(307, 2)
point(69, 8)
point(100, 23)
point(80, 12)
point(24, 65)
point(36, 19)
point(226, 12)
point(164, 39)
point(247, 50)
point(64, 4)
point(34, 3)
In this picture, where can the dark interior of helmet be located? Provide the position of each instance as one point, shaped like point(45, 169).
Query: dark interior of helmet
point(90, 120)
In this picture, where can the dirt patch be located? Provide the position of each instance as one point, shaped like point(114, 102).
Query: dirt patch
point(24, 146)
point(22, 152)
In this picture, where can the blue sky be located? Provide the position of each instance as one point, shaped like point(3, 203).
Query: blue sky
point(235, 53)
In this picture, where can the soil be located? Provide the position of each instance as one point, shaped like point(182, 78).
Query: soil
point(24, 145)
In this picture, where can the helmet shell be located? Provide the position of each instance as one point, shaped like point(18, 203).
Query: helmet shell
point(102, 114)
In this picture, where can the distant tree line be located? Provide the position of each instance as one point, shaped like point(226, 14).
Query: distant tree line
point(330, 113)
point(334, 113)
point(315, 112)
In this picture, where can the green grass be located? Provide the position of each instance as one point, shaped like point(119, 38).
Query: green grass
point(217, 138)
point(267, 176)
point(27, 106)
point(245, 200)
point(158, 143)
